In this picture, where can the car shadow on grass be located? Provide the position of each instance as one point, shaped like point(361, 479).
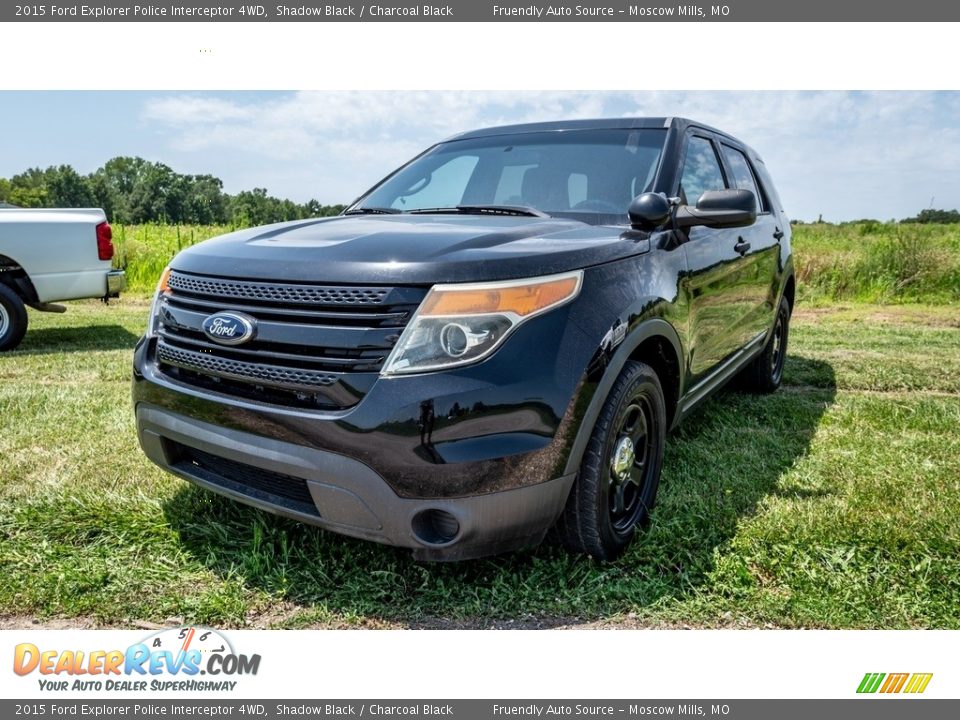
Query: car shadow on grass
point(719, 465)
point(42, 341)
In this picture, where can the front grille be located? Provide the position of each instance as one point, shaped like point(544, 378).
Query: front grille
point(316, 346)
point(276, 293)
point(263, 485)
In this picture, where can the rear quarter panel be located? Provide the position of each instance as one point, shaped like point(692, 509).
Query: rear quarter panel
point(57, 249)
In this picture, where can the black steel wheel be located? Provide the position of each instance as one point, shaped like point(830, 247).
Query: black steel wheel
point(616, 487)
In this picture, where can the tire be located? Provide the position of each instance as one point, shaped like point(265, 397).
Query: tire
point(765, 372)
point(616, 487)
point(13, 319)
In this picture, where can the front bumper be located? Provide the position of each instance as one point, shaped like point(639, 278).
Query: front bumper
point(452, 465)
point(344, 495)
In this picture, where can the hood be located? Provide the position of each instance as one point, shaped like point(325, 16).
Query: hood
point(409, 249)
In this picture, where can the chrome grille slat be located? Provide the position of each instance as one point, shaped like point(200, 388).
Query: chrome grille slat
point(289, 332)
point(335, 316)
point(207, 347)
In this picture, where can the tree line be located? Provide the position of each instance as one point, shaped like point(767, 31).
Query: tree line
point(132, 190)
point(938, 217)
point(924, 217)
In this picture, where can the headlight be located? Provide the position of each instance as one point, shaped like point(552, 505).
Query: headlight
point(461, 324)
point(154, 320)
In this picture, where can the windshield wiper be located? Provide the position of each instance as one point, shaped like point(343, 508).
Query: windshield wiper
point(516, 210)
point(373, 211)
point(521, 210)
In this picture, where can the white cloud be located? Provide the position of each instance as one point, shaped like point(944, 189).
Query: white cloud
point(843, 154)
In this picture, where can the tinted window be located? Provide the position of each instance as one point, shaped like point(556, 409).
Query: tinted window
point(444, 188)
point(701, 170)
point(577, 189)
point(511, 183)
point(742, 176)
point(770, 199)
point(591, 175)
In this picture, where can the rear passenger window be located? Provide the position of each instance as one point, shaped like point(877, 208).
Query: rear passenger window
point(742, 174)
point(701, 170)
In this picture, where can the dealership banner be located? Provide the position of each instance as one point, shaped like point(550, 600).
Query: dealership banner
point(690, 671)
point(482, 11)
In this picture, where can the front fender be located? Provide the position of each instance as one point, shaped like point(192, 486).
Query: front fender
point(603, 372)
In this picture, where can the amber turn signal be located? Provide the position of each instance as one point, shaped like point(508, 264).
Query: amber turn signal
point(162, 286)
point(513, 298)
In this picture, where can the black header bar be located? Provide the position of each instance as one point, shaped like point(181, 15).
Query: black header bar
point(483, 11)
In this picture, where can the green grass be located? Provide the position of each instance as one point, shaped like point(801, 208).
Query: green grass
point(832, 503)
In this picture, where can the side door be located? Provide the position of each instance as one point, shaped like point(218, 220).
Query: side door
point(761, 247)
point(714, 286)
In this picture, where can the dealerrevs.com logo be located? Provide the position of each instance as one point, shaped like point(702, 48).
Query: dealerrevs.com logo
point(179, 659)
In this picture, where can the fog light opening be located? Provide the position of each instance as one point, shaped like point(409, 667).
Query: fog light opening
point(435, 527)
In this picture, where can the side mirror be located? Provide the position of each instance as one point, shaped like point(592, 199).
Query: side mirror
point(649, 211)
point(720, 209)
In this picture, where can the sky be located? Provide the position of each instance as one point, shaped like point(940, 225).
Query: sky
point(839, 155)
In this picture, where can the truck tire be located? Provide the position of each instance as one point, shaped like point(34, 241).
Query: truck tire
point(617, 484)
point(13, 319)
point(765, 372)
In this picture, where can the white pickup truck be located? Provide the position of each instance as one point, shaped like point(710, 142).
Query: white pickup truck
point(52, 255)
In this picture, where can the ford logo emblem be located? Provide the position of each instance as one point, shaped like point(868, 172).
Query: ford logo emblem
point(229, 328)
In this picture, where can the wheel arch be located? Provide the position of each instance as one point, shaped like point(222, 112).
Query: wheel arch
point(660, 354)
point(15, 277)
point(790, 290)
point(654, 342)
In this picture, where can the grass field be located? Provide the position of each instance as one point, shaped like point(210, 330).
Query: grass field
point(832, 503)
point(864, 262)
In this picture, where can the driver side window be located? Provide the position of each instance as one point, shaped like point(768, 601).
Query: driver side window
point(701, 170)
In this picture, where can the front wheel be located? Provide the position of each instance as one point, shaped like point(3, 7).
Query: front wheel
point(13, 319)
point(617, 484)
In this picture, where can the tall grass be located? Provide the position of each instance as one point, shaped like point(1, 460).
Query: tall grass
point(145, 250)
point(869, 261)
point(878, 262)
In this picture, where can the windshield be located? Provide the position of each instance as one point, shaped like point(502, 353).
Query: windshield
point(588, 175)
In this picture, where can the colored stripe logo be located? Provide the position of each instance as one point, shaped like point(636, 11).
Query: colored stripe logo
point(913, 683)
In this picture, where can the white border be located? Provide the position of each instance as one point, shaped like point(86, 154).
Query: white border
point(512, 56)
point(460, 664)
point(501, 56)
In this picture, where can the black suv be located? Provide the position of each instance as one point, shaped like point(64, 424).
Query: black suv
point(490, 343)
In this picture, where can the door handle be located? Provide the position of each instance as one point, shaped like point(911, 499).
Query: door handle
point(742, 246)
point(778, 234)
